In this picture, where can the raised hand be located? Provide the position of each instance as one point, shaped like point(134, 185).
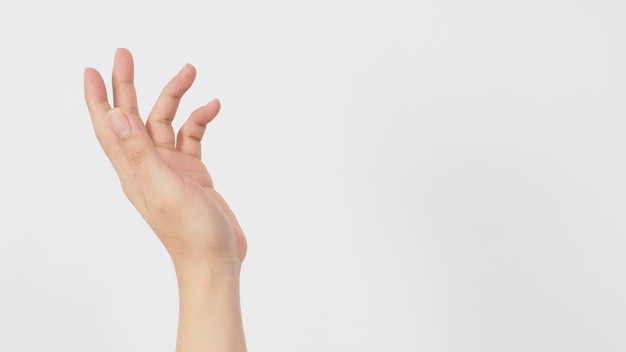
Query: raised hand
point(163, 176)
point(161, 173)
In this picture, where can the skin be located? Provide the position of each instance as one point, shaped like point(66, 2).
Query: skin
point(163, 176)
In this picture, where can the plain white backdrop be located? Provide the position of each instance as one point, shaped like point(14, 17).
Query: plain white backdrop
point(411, 175)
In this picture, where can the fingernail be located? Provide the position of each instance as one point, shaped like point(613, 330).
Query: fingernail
point(119, 123)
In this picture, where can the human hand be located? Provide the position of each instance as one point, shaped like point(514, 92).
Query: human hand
point(162, 174)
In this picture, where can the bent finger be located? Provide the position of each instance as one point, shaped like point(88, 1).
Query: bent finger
point(191, 133)
point(159, 123)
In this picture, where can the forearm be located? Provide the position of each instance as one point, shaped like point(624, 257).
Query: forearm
point(210, 311)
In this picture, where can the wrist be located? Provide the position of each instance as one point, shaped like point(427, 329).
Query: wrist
point(207, 271)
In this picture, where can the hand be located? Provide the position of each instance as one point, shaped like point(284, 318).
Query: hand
point(162, 174)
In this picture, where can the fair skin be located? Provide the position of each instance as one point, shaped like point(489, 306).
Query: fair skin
point(163, 176)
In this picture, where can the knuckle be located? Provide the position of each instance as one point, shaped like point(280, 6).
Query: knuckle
point(136, 155)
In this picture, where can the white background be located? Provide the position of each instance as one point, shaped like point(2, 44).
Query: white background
point(411, 176)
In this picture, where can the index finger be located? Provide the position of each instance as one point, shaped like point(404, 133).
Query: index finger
point(98, 105)
point(124, 95)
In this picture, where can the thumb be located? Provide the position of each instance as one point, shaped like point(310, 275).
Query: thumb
point(137, 148)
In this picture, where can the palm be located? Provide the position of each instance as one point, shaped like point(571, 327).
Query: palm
point(186, 166)
point(176, 176)
point(194, 173)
